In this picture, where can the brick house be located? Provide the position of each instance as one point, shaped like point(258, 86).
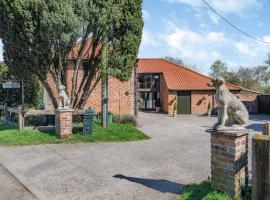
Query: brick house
point(180, 88)
point(121, 94)
point(177, 87)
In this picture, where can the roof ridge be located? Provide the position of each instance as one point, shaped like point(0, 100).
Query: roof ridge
point(249, 90)
point(170, 71)
point(200, 74)
point(149, 58)
point(178, 65)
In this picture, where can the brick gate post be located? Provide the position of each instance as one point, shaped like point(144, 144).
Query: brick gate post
point(63, 123)
point(229, 159)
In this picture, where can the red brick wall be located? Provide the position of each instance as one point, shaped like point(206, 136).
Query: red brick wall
point(121, 94)
point(200, 101)
point(229, 159)
point(199, 106)
point(167, 97)
point(250, 99)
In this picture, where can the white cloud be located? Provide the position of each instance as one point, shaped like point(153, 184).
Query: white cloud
point(146, 14)
point(266, 38)
point(225, 6)
point(251, 48)
point(244, 48)
point(230, 6)
point(193, 46)
point(204, 46)
point(231, 64)
point(148, 39)
point(216, 37)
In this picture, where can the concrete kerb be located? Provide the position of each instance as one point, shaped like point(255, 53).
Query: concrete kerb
point(25, 183)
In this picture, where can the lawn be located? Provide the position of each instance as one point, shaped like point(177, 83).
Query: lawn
point(204, 191)
point(9, 135)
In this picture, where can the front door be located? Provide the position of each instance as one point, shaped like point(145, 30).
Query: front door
point(184, 102)
point(149, 100)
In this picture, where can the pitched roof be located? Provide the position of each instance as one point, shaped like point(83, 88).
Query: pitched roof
point(177, 77)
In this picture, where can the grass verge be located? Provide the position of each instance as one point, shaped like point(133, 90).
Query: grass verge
point(204, 191)
point(9, 135)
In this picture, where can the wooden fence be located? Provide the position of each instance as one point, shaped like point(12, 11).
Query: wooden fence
point(261, 165)
point(22, 114)
point(264, 104)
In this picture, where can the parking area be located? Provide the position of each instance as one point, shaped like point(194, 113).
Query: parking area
point(177, 154)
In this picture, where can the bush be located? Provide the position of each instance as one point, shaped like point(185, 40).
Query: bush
point(77, 118)
point(125, 119)
point(204, 191)
point(33, 91)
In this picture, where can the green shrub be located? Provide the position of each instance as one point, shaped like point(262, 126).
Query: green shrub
point(33, 91)
point(204, 191)
point(125, 119)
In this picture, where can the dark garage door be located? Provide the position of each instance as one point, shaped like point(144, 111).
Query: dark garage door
point(184, 102)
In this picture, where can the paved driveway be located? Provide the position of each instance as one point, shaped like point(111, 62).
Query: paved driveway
point(178, 154)
point(11, 189)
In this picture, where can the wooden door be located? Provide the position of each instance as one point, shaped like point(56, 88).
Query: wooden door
point(184, 102)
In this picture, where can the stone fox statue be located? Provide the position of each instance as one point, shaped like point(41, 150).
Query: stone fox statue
point(231, 111)
point(64, 100)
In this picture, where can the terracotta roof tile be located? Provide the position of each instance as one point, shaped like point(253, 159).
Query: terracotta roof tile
point(177, 77)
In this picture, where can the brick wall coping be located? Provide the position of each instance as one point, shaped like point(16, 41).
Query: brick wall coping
point(231, 132)
point(64, 110)
point(261, 137)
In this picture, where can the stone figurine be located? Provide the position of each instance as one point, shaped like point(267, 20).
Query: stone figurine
point(232, 113)
point(64, 99)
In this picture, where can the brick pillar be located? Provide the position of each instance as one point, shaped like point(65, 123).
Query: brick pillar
point(229, 159)
point(63, 123)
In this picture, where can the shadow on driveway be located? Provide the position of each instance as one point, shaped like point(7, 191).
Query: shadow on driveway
point(161, 185)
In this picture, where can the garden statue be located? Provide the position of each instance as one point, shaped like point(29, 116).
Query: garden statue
point(64, 99)
point(232, 113)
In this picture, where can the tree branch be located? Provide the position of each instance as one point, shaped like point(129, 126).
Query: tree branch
point(78, 62)
point(87, 93)
point(88, 72)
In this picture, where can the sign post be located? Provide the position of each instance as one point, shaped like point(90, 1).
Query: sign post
point(11, 85)
point(105, 108)
point(22, 94)
point(15, 84)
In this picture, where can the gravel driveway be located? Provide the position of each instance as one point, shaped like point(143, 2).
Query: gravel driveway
point(177, 154)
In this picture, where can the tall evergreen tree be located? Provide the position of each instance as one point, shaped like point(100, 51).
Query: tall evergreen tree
point(14, 96)
point(39, 34)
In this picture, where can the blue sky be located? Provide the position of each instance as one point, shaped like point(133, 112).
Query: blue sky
point(187, 29)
